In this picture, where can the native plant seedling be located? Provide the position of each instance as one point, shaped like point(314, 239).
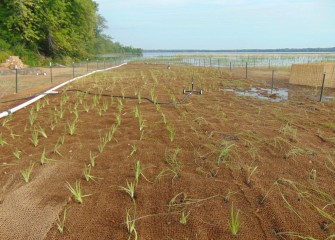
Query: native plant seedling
point(72, 127)
point(17, 153)
point(184, 217)
point(92, 159)
point(138, 171)
point(76, 191)
point(87, 173)
point(171, 131)
point(34, 137)
point(44, 159)
point(225, 153)
point(130, 189)
point(61, 222)
point(130, 223)
point(234, 222)
point(27, 172)
point(2, 140)
point(133, 150)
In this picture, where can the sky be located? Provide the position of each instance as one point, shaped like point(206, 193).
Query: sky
point(220, 24)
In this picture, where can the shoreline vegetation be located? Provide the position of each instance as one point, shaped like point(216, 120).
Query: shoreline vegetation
point(43, 31)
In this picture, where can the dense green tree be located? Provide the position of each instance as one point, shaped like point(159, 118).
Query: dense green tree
point(55, 28)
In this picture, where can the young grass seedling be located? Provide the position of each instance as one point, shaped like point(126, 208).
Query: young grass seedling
point(234, 223)
point(27, 172)
point(76, 191)
point(184, 217)
point(61, 223)
point(92, 159)
point(130, 223)
point(130, 189)
point(17, 153)
point(44, 159)
point(251, 171)
point(32, 116)
point(103, 142)
point(34, 137)
point(225, 153)
point(72, 127)
point(42, 132)
point(138, 171)
point(133, 150)
point(171, 131)
point(2, 140)
point(7, 120)
point(87, 173)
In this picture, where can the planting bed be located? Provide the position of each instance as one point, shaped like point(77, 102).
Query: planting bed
point(203, 165)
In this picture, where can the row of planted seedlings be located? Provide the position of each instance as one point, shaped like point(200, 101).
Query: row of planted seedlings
point(284, 143)
point(173, 168)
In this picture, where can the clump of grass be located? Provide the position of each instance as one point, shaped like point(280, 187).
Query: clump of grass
point(130, 189)
point(76, 191)
point(44, 159)
point(34, 137)
point(87, 173)
point(27, 172)
point(225, 153)
point(61, 222)
point(17, 153)
point(290, 131)
point(234, 222)
point(92, 159)
point(171, 131)
point(2, 140)
point(130, 223)
point(133, 150)
point(184, 217)
point(72, 127)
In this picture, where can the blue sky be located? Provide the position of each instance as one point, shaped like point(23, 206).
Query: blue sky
point(220, 24)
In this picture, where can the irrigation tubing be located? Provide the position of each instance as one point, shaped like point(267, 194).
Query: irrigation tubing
point(132, 97)
point(50, 91)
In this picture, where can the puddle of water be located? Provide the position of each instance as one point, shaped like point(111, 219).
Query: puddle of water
point(276, 95)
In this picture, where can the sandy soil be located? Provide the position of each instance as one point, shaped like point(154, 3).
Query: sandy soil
point(214, 154)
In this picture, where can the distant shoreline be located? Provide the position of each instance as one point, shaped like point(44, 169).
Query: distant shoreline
point(279, 50)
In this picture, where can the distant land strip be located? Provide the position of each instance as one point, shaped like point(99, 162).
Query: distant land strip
point(279, 50)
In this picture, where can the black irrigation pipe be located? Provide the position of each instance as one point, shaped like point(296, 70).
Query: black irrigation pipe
point(131, 97)
point(104, 95)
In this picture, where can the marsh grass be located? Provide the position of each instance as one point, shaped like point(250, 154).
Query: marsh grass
point(225, 153)
point(129, 189)
point(76, 191)
point(2, 140)
point(61, 222)
point(27, 172)
point(234, 222)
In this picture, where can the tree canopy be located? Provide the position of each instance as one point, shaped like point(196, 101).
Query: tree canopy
point(55, 29)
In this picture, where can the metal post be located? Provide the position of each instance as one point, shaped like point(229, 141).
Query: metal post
point(246, 70)
point(16, 80)
point(86, 64)
point(73, 69)
point(230, 66)
point(192, 84)
point(269, 63)
point(51, 72)
point(97, 64)
point(104, 63)
point(323, 84)
point(273, 71)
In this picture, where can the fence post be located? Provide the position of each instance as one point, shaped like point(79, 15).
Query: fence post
point(16, 80)
point(230, 66)
point(246, 70)
point(273, 71)
point(269, 63)
point(87, 65)
point(323, 84)
point(50, 72)
point(73, 69)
